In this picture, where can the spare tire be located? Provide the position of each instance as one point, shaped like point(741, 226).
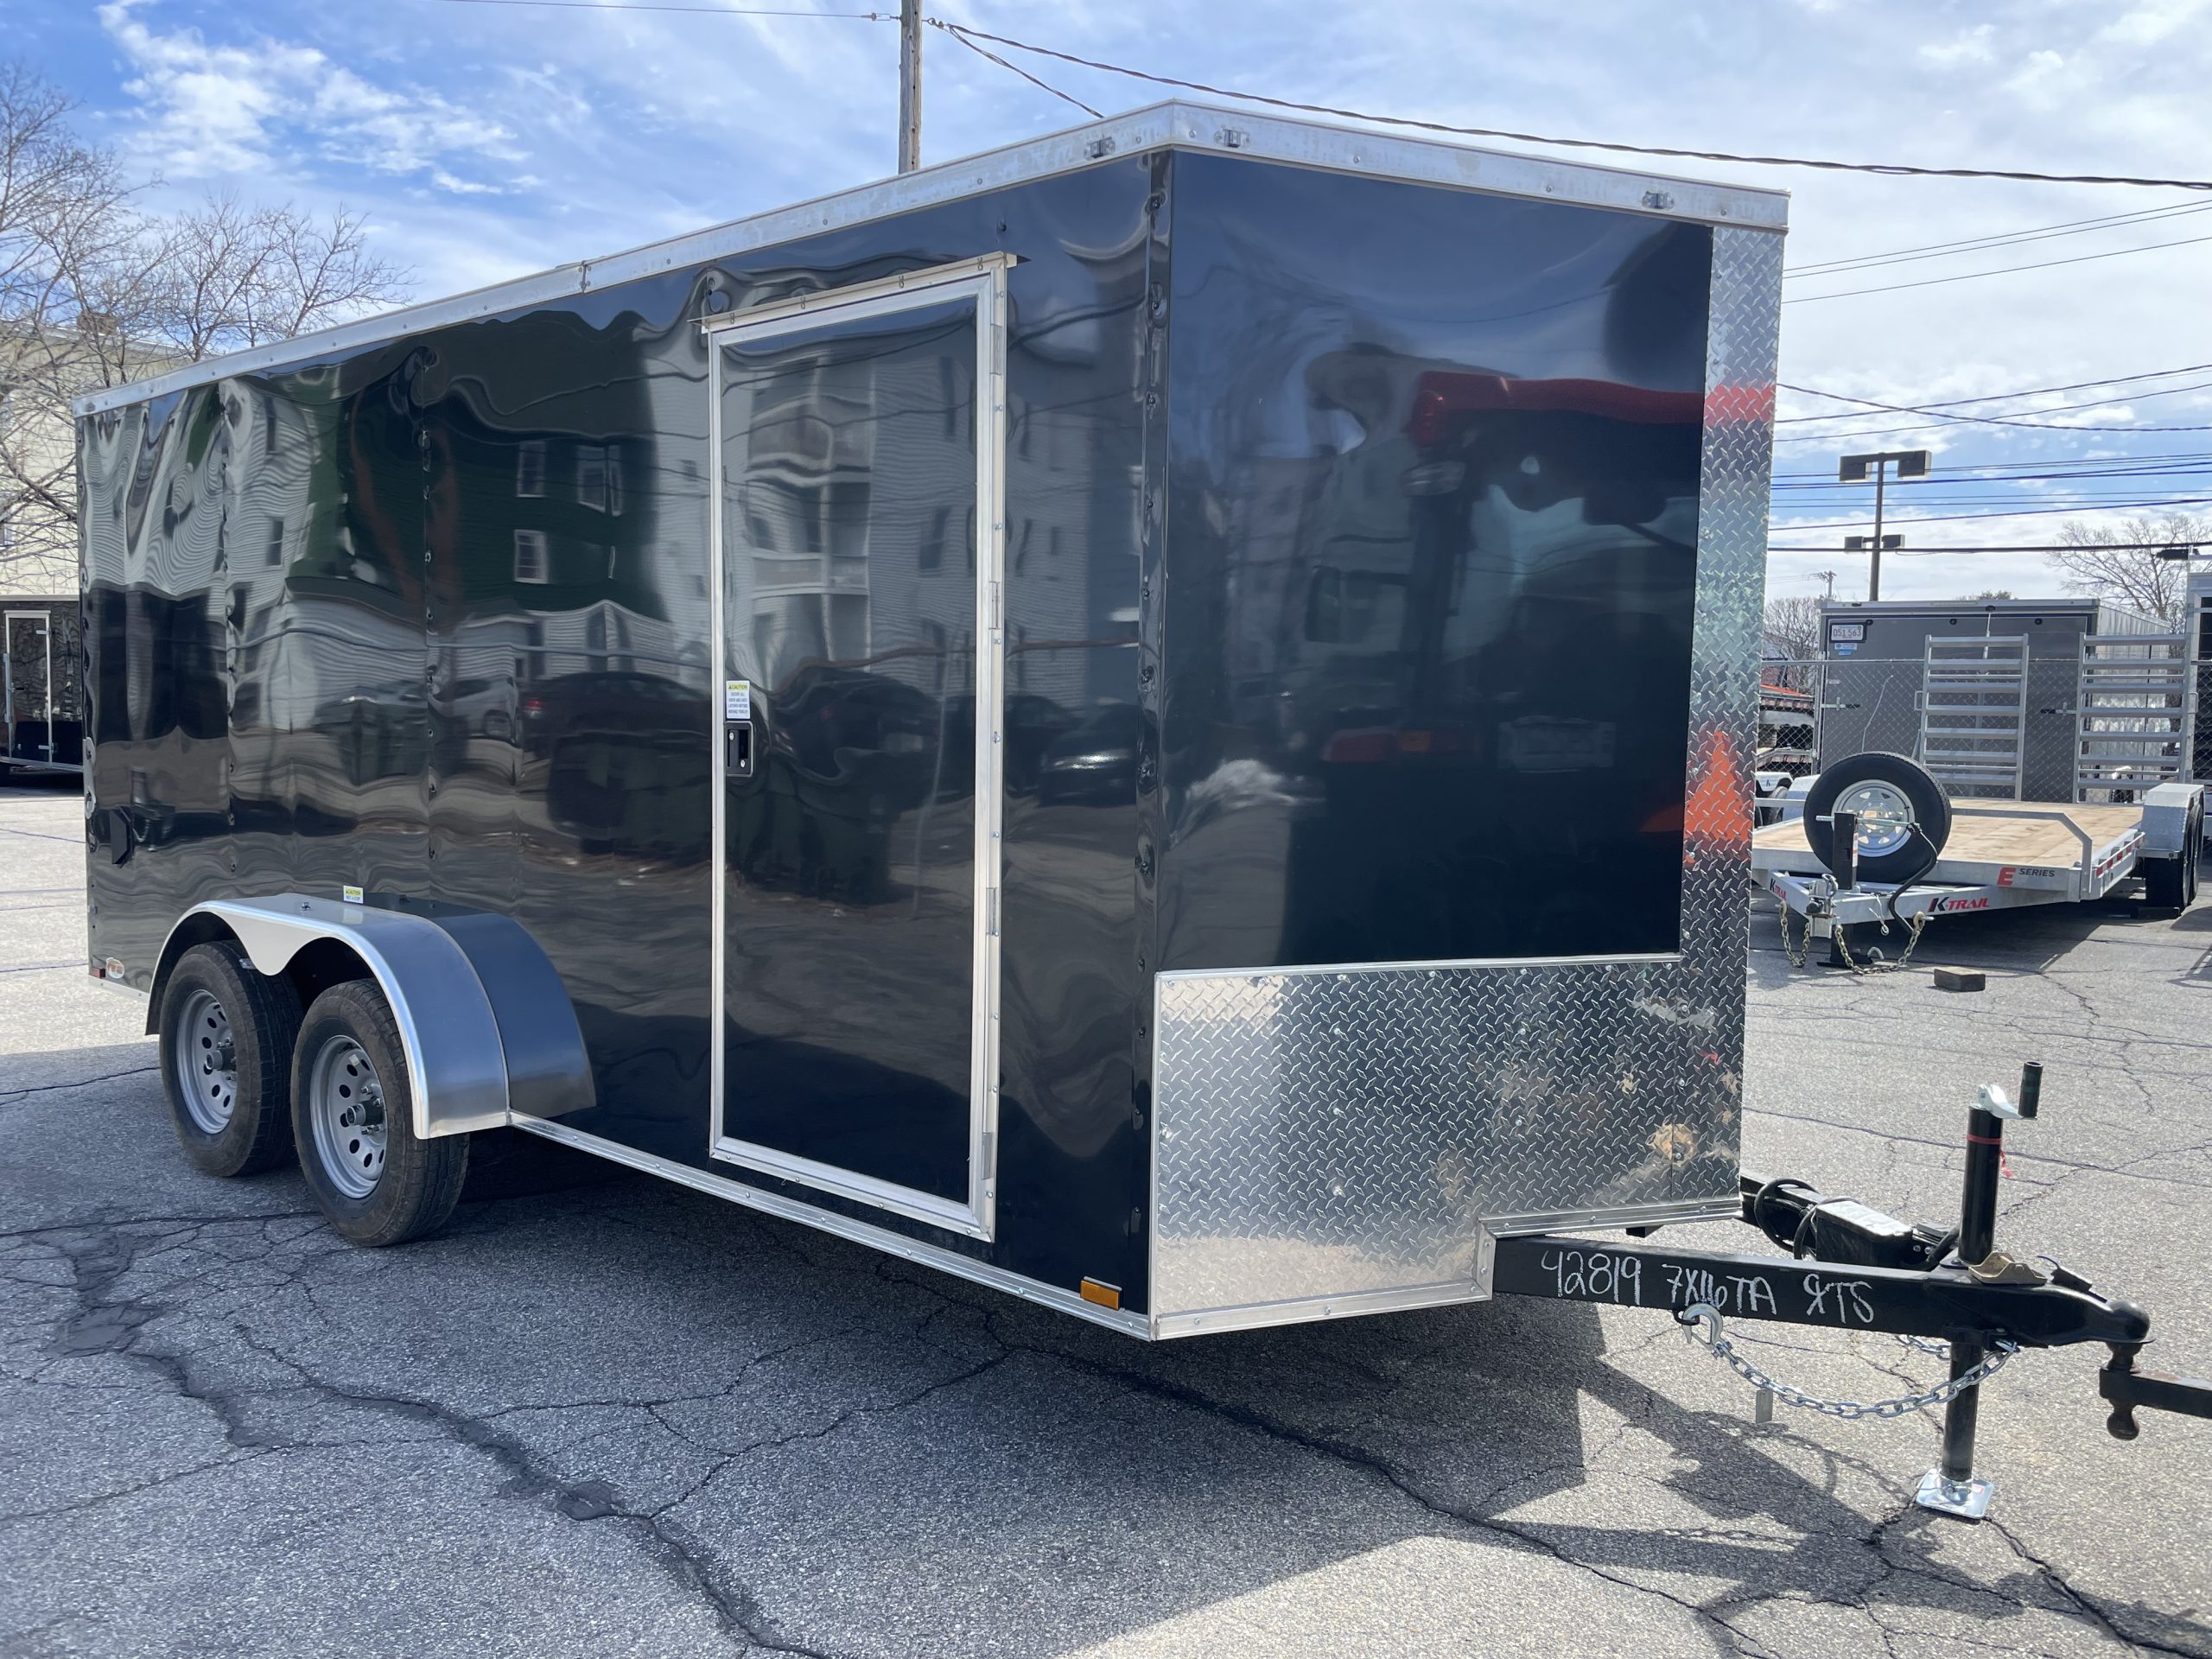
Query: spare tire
point(1903, 815)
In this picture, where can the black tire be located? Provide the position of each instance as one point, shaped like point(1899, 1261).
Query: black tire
point(353, 1123)
point(1930, 812)
point(238, 1121)
point(2165, 883)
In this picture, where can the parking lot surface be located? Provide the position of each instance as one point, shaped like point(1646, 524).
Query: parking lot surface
point(619, 1417)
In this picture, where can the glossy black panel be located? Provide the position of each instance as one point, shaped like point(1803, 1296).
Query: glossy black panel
point(1433, 515)
point(849, 571)
point(432, 619)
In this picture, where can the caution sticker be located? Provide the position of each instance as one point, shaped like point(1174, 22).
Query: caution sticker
point(737, 699)
point(352, 895)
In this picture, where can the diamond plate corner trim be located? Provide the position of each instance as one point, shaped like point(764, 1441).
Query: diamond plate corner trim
point(1347, 1133)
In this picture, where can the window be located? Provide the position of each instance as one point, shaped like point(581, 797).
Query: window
point(932, 556)
point(530, 468)
point(273, 549)
point(591, 477)
point(614, 479)
point(531, 562)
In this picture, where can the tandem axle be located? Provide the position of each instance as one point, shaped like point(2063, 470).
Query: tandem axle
point(1854, 1269)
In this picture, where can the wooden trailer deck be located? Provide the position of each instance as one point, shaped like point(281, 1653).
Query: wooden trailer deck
point(1984, 834)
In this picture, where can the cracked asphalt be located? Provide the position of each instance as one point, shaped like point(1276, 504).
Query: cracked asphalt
point(617, 1417)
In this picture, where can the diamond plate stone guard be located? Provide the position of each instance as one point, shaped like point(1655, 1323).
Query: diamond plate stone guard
point(1350, 1133)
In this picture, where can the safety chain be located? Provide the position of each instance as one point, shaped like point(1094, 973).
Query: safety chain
point(1798, 950)
point(1796, 953)
point(1704, 1314)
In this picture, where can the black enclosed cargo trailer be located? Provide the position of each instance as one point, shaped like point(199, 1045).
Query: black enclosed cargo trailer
point(1031, 715)
point(1017, 714)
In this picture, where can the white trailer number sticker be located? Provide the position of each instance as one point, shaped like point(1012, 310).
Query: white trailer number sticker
point(737, 699)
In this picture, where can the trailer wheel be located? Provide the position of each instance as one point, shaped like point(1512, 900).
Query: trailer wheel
point(353, 1120)
point(1893, 797)
point(2165, 882)
point(226, 1059)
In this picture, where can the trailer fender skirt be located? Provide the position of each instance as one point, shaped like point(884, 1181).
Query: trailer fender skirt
point(2170, 812)
point(484, 1021)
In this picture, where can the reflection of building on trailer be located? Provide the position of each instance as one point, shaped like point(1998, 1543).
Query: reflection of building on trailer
point(41, 717)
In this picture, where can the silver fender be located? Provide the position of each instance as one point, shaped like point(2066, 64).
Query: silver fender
point(485, 1024)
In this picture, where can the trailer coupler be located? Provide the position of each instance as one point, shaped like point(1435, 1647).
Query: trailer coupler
point(1854, 1269)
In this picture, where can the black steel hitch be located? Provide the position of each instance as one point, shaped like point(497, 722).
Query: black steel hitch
point(1853, 1268)
point(2128, 1389)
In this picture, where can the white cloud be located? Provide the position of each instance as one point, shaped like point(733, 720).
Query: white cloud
point(213, 110)
point(1970, 46)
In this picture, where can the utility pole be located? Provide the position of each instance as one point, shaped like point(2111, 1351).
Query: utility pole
point(1857, 469)
point(909, 85)
point(1828, 576)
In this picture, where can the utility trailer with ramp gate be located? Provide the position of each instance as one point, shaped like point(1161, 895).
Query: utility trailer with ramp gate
point(1008, 715)
point(1872, 903)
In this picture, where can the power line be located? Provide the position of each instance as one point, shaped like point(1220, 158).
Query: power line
point(2004, 270)
point(2027, 547)
point(1014, 68)
point(1985, 420)
point(2010, 512)
point(2013, 420)
point(1993, 396)
point(1897, 169)
point(1975, 244)
point(2054, 468)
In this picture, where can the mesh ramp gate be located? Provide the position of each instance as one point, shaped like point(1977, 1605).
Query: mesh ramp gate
point(1974, 712)
point(2132, 713)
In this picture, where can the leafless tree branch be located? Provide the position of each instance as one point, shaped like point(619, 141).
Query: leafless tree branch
point(2134, 577)
point(95, 292)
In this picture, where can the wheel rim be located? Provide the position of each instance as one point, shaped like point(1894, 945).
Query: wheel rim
point(207, 1063)
point(346, 1107)
point(1885, 818)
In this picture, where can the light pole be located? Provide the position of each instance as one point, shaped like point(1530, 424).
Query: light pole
point(1857, 469)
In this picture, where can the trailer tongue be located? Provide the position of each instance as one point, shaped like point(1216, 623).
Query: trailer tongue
point(1854, 1268)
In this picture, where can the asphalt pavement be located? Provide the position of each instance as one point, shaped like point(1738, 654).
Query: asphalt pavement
point(619, 1417)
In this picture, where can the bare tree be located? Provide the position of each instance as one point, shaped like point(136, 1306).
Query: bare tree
point(95, 292)
point(2099, 561)
point(1793, 623)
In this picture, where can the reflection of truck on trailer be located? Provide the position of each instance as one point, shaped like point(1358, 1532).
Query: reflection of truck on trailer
point(42, 724)
point(1089, 621)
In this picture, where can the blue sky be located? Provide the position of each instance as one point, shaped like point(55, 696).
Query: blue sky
point(490, 140)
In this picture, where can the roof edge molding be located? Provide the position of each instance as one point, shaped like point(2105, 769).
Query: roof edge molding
point(1176, 125)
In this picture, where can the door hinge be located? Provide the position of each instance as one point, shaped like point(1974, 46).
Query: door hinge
point(991, 912)
point(998, 616)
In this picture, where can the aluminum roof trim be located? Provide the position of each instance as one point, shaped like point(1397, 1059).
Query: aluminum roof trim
point(1179, 124)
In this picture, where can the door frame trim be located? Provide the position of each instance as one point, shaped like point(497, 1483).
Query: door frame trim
point(981, 281)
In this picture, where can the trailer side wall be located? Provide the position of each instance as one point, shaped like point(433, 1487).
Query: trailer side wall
point(430, 618)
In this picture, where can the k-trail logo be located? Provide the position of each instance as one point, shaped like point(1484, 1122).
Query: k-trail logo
point(1950, 906)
